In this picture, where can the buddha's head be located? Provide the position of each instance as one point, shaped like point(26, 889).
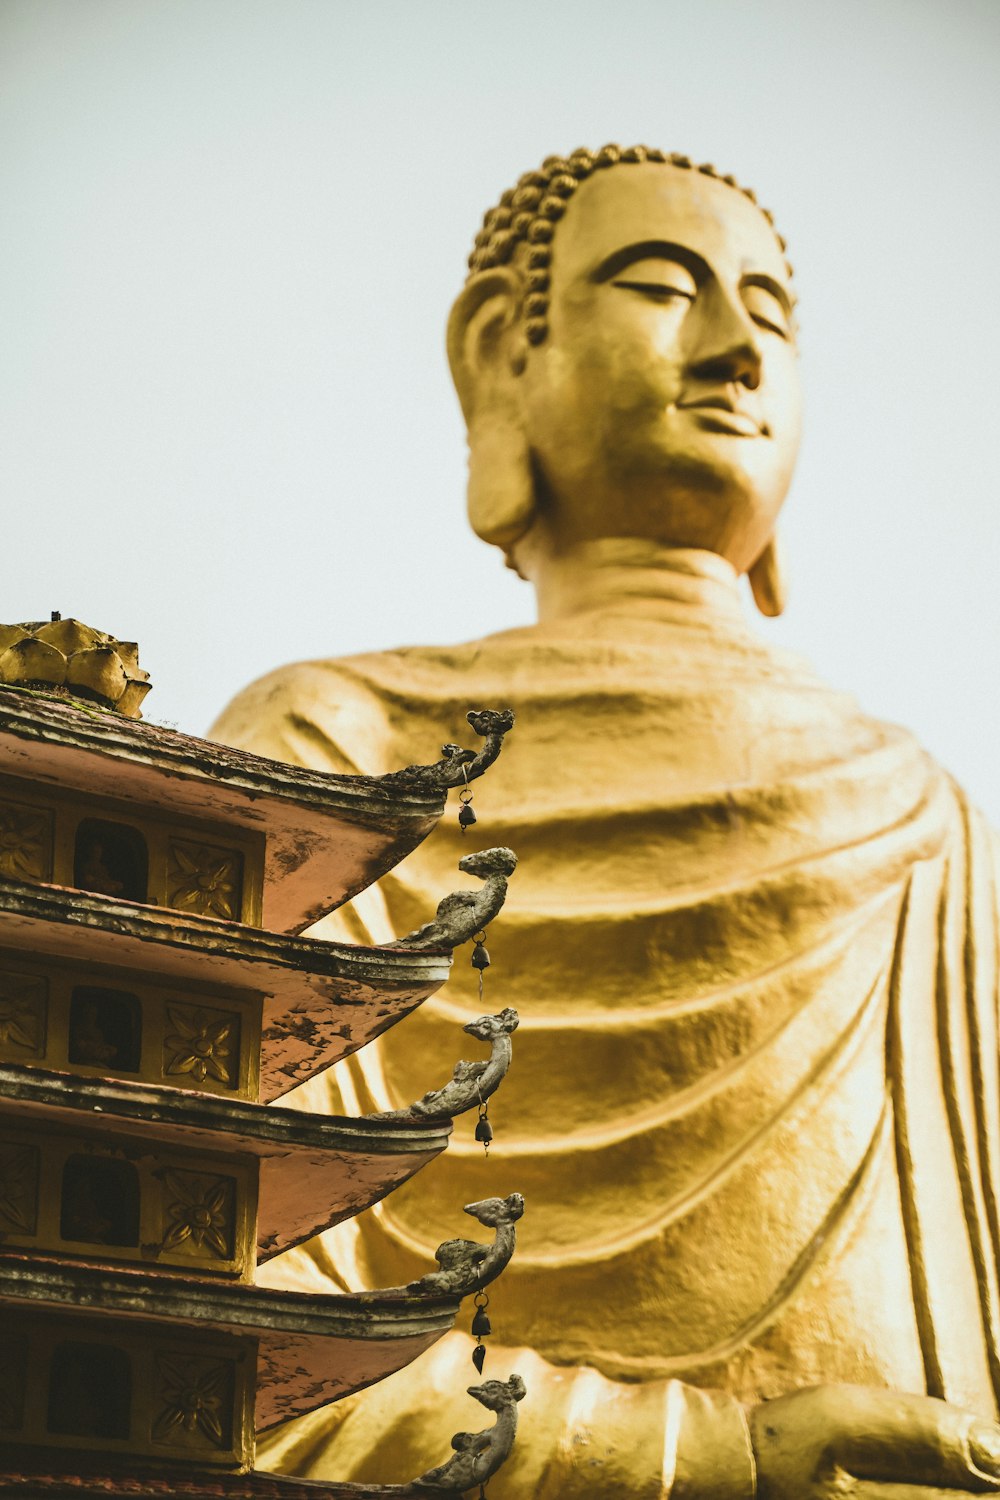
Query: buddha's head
point(624, 352)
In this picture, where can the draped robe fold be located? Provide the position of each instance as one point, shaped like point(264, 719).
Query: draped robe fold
point(754, 1101)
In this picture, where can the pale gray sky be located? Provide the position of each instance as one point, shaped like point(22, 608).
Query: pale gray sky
point(231, 233)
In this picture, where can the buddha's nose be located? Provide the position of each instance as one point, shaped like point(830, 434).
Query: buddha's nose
point(728, 349)
point(745, 362)
point(739, 362)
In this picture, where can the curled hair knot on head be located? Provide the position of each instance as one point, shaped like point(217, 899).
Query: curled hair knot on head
point(528, 213)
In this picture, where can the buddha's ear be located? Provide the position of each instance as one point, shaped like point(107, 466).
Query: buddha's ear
point(484, 344)
point(487, 351)
point(768, 580)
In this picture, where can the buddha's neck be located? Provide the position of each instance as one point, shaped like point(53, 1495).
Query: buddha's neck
point(629, 576)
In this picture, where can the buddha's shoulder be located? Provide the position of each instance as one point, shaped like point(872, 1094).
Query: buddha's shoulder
point(357, 713)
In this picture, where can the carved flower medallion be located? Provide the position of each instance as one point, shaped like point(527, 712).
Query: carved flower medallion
point(206, 881)
point(200, 1209)
point(25, 842)
point(19, 1187)
point(203, 1043)
point(196, 1395)
point(22, 1014)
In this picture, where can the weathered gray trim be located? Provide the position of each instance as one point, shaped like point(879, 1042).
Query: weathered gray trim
point(33, 716)
point(159, 927)
point(256, 1311)
point(151, 1109)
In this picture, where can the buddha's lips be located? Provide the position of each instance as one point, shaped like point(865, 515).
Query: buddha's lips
point(726, 416)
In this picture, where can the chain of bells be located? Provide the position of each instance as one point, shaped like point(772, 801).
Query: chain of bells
point(481, 1325)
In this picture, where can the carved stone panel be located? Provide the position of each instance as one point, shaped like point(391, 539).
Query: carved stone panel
point(97, 1021)
point(194, 1404)
point(104, 1386)
point(138, 1201)
point(200, 1044)
point(205, 880)
point(18, 1188)
point(128, 852)
point(200, 1213)
point(25, 842)
point(23, 1016)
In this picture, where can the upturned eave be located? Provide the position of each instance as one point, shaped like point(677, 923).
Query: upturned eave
point(328, 836)
point(322, 1000)
point(315, 1170)
point(312, 1349)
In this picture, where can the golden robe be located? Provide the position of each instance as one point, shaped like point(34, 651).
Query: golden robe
point(754, 1107)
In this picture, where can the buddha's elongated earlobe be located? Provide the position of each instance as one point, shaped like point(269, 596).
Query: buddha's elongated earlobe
point(768, 581)
point(487, 351)
point(501, 492)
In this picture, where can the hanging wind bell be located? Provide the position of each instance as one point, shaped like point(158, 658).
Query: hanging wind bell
point(466, 815)
point(481, 1328)
point(480, 958)
point(484, 1130)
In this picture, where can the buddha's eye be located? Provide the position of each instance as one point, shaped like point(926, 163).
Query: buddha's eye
point(659, 280)
point(766, 309)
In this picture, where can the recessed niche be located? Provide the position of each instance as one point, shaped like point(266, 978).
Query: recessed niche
point(90, 1391)
point(13, 1381)
point(100, 1201)
point(111, 859)
point(105, 1028)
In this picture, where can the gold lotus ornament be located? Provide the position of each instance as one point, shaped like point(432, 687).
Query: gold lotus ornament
point(70, 657)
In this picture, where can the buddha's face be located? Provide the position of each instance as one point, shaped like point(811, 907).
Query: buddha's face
point(665, 401)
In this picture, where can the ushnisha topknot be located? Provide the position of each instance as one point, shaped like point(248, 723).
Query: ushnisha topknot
point(528, 214)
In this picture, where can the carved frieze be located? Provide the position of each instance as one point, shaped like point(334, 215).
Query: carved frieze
point(86, 1384)
point(88, 1020)
point(129, 852)
point(130, 1199)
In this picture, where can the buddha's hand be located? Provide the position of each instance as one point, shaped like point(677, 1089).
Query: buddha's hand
point(838, 1441)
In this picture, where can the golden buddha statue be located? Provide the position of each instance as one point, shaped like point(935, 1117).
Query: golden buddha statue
point(755, 1107)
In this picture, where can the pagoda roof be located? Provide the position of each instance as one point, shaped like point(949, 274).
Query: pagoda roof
point(26, 1472)
point(328, 836)
point(315, 1170)
point(311, 1348)
point(322, 1000)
